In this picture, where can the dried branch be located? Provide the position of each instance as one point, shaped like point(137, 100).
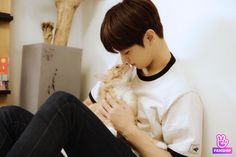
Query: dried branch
point(65, 14)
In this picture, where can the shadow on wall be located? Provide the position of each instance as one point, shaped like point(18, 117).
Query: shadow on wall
point(92, 13)
point(95, 58)
point(213, 70)
point(88, 10)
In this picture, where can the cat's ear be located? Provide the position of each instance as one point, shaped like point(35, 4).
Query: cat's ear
point(100, 77)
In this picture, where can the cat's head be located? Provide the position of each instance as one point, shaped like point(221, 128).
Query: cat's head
point(119, 73)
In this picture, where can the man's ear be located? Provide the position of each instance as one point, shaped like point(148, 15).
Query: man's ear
point(150, 35)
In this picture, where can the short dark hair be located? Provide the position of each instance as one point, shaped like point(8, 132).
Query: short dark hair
point(126, 23)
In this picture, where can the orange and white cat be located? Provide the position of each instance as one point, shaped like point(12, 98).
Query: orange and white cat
point(117, 81)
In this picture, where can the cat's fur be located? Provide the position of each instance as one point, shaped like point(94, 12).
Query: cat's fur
point(117, 81)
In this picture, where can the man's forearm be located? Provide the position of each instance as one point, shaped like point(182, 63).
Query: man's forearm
point(87, 101)
point(144, 144)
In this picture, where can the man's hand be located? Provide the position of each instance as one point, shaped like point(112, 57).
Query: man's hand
point(99, 113)
point(118, 113)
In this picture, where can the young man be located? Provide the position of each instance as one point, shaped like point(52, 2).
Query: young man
point(169, 110)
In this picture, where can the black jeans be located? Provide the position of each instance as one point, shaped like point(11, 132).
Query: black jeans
point(62, 122)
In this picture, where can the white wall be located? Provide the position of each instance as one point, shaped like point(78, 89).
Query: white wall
point(201, 33)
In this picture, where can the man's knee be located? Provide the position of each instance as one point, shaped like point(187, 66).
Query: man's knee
point(10, 110)
point(61, 99)
point(13, 114)
point(62, 96)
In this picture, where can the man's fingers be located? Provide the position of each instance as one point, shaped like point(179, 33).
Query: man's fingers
point(106, 106)
point(111, 101)
point(104, 110)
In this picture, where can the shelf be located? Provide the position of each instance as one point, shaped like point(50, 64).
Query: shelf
point(5, 92)
point(6, 17)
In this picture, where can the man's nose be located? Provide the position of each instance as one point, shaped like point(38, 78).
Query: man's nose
point(125, 59)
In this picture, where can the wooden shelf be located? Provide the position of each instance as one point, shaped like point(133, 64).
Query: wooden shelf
point(6, 17)
point(5, 92)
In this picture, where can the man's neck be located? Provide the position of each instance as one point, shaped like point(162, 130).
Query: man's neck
point(161, 57)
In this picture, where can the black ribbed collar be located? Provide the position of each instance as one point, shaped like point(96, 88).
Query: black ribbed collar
point(159, 74)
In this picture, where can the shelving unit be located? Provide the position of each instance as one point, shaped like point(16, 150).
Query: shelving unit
point(5, 92)
point(5, 19)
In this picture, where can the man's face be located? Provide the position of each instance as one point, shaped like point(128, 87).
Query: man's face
point(137, 56)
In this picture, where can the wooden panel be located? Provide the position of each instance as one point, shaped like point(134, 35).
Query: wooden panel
point(4, 38)
point(5, 6)
point(3, 100)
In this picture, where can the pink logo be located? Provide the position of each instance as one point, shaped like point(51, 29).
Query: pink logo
point(221, 141)
point(222, 145)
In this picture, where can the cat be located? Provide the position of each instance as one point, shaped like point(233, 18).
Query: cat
point(117, 81)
